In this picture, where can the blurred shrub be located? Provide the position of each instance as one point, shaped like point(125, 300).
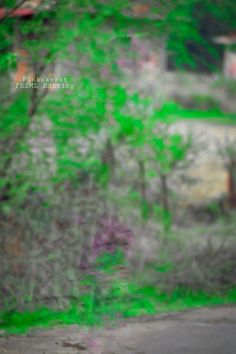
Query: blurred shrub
point(49, 245)
point(203, 258)
point(228, 85)
point(200, 102)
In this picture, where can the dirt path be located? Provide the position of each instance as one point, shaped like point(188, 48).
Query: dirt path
point(202, 331)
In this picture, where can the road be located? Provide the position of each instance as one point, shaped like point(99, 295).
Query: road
point(201, 331)
point(199, 338)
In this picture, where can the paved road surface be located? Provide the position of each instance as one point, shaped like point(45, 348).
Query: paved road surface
point(191, 338)
point(202, 331)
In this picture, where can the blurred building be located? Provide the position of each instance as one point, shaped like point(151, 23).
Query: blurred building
point(25, 12)
point(229, 63)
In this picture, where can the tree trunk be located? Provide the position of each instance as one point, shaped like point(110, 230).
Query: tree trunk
point(142, 182)
point(35, 99)
point(143, 188)
point(108, 159)
point(164, 193)
point(33, 102)
point(231, 184)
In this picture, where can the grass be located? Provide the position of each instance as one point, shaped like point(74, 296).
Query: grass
point(122, 297)
point(139, 301)
point(177, 112)
point(126, 298)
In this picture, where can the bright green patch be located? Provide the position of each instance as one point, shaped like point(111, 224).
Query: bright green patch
point(131, 303)
point(176, 111)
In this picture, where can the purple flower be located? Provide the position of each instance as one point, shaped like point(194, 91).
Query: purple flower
point(111, 234)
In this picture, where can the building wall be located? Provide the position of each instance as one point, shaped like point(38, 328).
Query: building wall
point(229, 68)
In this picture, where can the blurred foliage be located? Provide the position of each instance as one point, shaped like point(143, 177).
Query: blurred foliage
point(65, 153)
point(95, 35)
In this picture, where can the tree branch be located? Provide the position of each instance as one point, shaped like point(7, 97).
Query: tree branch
point(11, 11)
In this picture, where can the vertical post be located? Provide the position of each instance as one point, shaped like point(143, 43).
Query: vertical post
point(232, 183)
